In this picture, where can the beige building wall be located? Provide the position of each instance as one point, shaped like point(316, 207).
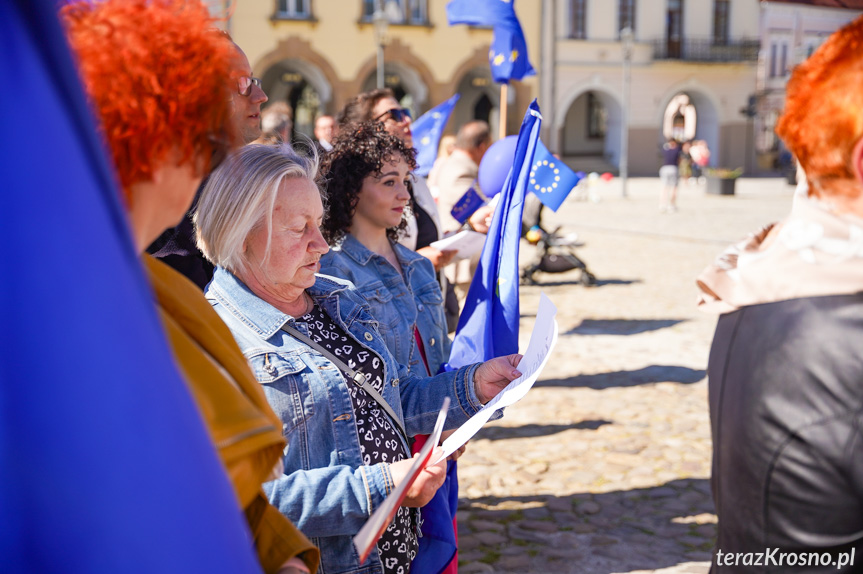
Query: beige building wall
point(595, 65)
point(335, 51)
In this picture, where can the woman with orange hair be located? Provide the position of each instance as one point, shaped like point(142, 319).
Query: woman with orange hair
point(158, 74)
point(785, 369)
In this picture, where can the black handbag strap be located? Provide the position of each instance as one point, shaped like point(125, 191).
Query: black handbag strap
point(358, 378)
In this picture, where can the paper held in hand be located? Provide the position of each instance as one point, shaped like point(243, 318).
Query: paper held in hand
point(381, 518)
point(466, 243)
point(542, 341)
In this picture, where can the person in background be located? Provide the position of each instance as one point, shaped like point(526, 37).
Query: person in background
point(458, 174)
point(700, 158)
point(325, 131)
point(447, 144)
point(785, 368)
point(684, 165)
point(163, 142)
point(277, 124)
point(176, 246)
point(669, 176)
point(347, 426)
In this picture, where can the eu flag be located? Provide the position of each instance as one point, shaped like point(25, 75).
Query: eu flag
point(106, 464)
point(551, 179)
point(508, 54)
point(488, 326)
point(466, 205)
point(427, 131)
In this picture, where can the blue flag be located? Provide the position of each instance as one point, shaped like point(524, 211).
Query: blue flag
point(488, 326)
point(551, 179)
point(105, 464)
point(508, 54)
point(427, 131)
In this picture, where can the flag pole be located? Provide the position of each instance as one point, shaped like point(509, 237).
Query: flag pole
point(503, 95)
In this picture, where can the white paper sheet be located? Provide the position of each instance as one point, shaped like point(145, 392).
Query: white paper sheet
point(542, 341)
point(380, 519)
point(466, 243)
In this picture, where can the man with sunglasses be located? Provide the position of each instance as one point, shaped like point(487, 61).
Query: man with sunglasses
point(177, 246)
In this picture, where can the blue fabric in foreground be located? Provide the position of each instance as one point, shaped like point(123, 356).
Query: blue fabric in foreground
point(106, 464)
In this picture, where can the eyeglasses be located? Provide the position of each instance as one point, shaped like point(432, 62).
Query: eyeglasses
point(398, 115)
point(245, 83)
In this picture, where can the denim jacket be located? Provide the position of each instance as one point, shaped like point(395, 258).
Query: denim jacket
point(326, 491)
point(398, 302)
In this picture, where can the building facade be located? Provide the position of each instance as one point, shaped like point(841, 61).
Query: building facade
point(698, 69)
point(316, 54)
point(692, 65)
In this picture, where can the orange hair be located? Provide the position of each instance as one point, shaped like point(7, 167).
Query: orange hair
point(157, 74)
point(823, 118)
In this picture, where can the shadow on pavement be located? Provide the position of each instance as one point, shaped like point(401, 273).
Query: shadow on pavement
point(576, 280)
point(604, 282)
point(530, 431)
point(621, 326)
point(619, 531)
point(651, 374)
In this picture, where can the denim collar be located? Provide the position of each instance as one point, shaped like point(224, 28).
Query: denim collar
point(351, 246)
point(257, 314)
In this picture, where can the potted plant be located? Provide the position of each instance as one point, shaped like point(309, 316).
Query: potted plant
point(721, 181)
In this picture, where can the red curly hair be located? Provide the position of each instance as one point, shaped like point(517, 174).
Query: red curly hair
point(823, 118)
point(157, 73)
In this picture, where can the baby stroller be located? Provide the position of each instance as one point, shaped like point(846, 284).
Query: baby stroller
point(556, 253)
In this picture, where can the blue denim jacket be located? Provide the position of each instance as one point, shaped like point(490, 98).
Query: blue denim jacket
point(398, 302)
point(326, 491)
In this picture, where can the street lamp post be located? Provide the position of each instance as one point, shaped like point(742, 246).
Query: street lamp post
point(381, 23)
point(382, 17)
point(626, 38)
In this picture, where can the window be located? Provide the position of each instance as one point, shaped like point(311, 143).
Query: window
point(401, 11)
point(783, 61)
point(773, 60)
point(298, 9)
point(720, 22)
point(626, 15)
point(577, 19)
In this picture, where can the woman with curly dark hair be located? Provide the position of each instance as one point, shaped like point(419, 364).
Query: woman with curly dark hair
point(367, 174)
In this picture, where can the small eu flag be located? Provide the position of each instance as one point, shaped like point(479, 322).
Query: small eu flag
point(551, 179)
point(427, 131)
point(466, 205)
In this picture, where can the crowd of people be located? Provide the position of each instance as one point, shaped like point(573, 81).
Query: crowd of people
point(309, 311)
point(315, 390)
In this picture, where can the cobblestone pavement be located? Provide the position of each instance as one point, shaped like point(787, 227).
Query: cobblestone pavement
point(604, 467)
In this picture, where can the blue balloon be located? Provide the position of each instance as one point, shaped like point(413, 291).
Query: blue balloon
point(495, 165)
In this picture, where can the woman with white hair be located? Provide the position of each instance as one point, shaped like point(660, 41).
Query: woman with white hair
point(347, 407)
